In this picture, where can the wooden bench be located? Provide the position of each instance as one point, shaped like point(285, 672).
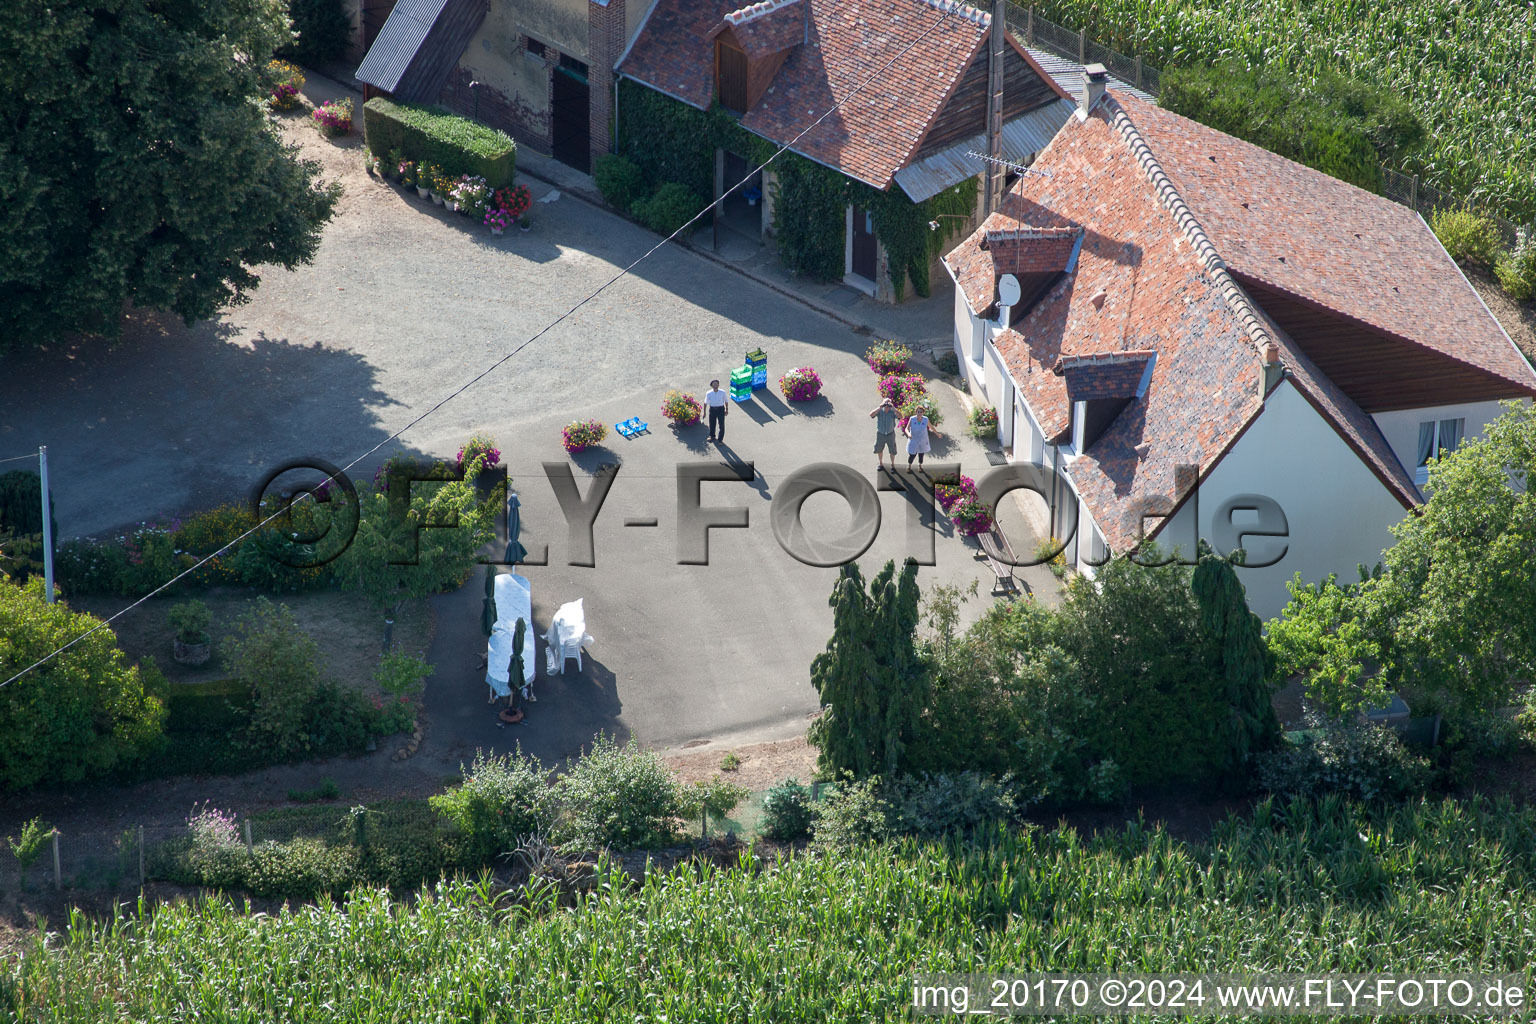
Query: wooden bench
point(999, 555)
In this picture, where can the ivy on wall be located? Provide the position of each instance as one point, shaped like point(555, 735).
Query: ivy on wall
point(672, 141)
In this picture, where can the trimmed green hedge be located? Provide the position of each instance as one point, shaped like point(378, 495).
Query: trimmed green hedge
point(218, 706)
point(456, 144)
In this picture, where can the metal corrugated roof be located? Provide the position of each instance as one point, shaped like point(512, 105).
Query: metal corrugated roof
point(1023, 137)
point(419, 45)
point(1069, 75)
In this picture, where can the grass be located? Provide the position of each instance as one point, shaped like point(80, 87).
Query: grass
point(1325, 886)
point(349, 631)
point(1465, 67)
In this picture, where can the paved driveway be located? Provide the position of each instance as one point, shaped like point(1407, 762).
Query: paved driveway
point(403, 304)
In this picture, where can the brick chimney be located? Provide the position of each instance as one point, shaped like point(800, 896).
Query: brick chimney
point(1094, 79)
point(1270, 369)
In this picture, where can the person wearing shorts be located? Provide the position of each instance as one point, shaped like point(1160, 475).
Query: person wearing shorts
point(885, 432)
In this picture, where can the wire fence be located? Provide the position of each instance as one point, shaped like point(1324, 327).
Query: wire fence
point(1034, 31)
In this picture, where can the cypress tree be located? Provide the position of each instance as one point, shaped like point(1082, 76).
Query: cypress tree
point(844, 676)
point(1241, 655)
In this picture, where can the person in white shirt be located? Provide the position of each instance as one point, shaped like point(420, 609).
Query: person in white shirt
point(714, 400)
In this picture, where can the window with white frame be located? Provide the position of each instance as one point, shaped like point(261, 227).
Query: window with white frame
point(1436, 439)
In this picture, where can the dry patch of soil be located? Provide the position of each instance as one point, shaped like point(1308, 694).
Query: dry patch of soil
point(763, 765)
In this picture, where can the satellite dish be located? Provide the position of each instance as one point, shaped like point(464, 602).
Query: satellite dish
point(1008, 291)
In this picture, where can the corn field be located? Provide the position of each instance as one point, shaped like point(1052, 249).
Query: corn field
point(1308, 886)
point(1467, 66)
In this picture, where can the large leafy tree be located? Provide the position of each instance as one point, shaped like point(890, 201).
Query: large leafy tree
point(1450, 617)
point(138, 165)
point(83, 714)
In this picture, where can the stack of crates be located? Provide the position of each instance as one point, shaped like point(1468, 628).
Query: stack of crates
point(758, 361)
point(741, 384)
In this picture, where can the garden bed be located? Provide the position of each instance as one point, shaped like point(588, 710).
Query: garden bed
point(350, 631)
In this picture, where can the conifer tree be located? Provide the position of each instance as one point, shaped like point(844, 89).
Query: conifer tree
point(1241, 658)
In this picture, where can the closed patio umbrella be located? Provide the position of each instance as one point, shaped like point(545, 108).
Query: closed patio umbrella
point(515, 550)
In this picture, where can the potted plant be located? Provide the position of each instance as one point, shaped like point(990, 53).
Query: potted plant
point(334, 117)
point(971, 517)
point(582, 434)
point(515, 200)
point(192, 645)
point(682, 409)
point(887, 357)
point(983, 423)
point(800, 384)
point(287, 79)
point(407, 171)
point(752, 195)
point(902, 386)
point(480, 447)
point(497, 220)
point(426, 177)
point(953, 488)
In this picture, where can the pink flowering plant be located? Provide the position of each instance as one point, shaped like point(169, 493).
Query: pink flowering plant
point(887, 357)
point(800, 384)
point(971, 516)
point(582, 434)
point(902, 386)
point(287, 79)
point(471, 193)
point(916, 403)
point(950, 490)
point(681, 408)
point(482, 448)
point(498, 220)
point(334, 117)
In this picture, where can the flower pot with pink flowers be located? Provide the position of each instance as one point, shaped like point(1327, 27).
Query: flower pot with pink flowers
point(681, 408)
point(580, 435)
point(801, 384)
point(972, 517)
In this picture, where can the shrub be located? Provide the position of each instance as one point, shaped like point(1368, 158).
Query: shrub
point(191, 620)
point(286, 81)
point(786, 812)
point(921, 402)
point(401, 675)
point(582, 434)
point(887, 357)
point(1469, 237)
point(28, 846)
point(952, 489)
point(334, 117)
point(730, 762)
point(622, 797)
point(619, 179)
point(480, 447)
point(84, 713)
point(1355, 759)
point(456, 145)
point(218, 707)
point(936, 805)
point(1051, 553)
point(272, 655)
point(983, 423)
point(716, 796)
point(902, 385)
point(323, 30)
point(971, 516)
point(947, 363)
point(1516, 270)
point(503, 800)
point(682, 409)
point(670, 208)
point(800, 384)
point(303, 869)
point(854, 814)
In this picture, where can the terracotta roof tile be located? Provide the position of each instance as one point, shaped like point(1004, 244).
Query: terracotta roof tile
point(875, 133)
point(1322, 239)
point(1104, 374)
point(767, 27)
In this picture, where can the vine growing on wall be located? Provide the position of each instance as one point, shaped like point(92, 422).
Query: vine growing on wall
point(672, 141)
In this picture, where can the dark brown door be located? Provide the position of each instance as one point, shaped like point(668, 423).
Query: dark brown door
point(863, 244)
point(570, 115)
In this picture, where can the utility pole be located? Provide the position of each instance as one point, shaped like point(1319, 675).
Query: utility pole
point(999, 39)
point(42, 464)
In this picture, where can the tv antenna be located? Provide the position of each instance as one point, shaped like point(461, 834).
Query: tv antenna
point(1017, 168)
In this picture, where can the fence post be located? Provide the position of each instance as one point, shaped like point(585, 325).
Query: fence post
point(1082, 46)
point(58, 874)
point(249, 846)
point(1413, 192)
point(1029, 27)
point(1138, 71)
point(141, 856)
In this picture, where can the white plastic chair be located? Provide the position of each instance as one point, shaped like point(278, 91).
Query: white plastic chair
point(557, 650)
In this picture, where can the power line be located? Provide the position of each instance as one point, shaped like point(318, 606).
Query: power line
point(948, 13)
point(19, 458)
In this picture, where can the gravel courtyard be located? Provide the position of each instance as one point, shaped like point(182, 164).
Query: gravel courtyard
point(403, 304)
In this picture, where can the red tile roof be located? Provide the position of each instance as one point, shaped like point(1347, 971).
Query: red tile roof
point(767, 27)
point(875, 133)
point(1031, 250)
point(1324, 240)
point(1148, 278)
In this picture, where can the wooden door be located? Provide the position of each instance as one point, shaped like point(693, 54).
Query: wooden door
point(571, 116)
point(862, 262)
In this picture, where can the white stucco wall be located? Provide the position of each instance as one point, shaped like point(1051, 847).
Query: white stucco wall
point(1401, 429)
point(1337, 510)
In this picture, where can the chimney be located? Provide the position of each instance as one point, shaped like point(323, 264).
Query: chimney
point(1094, 79)
point(1270, 369)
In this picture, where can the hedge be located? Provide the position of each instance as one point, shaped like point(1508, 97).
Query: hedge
point(220, 706)
point(456, 144)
